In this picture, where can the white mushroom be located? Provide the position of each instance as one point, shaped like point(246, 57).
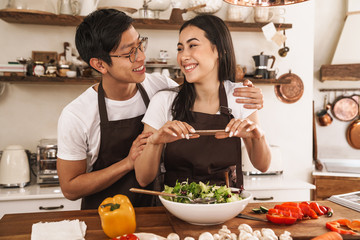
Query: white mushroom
point(225, 230)
point(285, 236)
point(216, 236)
point(245, 227)
point(189, 238)
point(244, 235)
point(233, 236)
point(206, 236)
point(269, 234)
point(173, 236)
point(257, 233)
point(252, 238)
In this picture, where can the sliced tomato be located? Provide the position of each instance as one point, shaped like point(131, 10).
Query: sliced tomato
point(278, 219)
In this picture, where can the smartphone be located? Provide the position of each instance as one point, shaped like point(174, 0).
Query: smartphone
point(209, 132)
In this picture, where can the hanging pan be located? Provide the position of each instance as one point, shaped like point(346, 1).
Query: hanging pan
point(292, 92)
point(353, 131)
point(345, 108)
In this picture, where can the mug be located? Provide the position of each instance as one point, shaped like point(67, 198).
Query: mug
point(263, 14)
point(278, 14)
point(238, 13)
point(272, 73)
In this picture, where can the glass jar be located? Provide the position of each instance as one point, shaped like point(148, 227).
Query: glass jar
point(39, 68)
point(63, 68)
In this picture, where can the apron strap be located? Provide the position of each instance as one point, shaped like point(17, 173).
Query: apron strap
point(144, 94)
point(224, 109)
point(102, 105)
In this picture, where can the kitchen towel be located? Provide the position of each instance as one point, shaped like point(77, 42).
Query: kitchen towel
point(66, 229)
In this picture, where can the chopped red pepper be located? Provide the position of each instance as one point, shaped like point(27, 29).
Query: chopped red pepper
point(273, 211)
point(292, 204)
point(296, 210)
point(315, 206)
point(279, 219)
point(307, 211)
point(328, 211)
point(335, 226)
point(354, 225)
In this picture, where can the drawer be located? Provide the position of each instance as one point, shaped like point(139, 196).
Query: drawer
point(283, 195)
point(38, 205)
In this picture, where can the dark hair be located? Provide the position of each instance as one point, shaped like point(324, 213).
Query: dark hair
point(219, 35)
point(100, 33)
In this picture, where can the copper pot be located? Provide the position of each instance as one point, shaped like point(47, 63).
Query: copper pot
point(323, 116)
point(345, 108)
point(353, 130)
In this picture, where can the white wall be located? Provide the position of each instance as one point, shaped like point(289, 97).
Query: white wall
point(329, 21)
point(29, 112)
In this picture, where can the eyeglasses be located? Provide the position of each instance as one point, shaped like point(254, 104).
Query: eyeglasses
point(132, 55)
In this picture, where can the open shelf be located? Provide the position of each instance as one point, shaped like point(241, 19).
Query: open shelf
point(47, 18)
point(83, 80)
point(50, 80)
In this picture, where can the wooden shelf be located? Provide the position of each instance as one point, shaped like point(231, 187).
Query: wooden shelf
point(83, 80)
point(341, 72)
point(50, 80)
point(47, 18)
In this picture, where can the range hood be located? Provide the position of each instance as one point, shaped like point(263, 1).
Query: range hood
point(345, 64)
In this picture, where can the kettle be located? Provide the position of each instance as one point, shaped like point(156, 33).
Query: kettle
point(261, 62)
point(14, 167)
point(88, 6)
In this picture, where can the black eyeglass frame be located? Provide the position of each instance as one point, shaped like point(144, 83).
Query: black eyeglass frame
point(134, 51)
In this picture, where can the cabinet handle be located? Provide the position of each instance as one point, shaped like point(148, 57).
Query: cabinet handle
point(51, 208)
point(263, 199)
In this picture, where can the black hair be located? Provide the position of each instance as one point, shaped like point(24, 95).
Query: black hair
point(100, 33)
point(219, 35)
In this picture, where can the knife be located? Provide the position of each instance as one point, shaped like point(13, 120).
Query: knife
point(240, 215)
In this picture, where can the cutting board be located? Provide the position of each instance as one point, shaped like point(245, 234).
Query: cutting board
point(305, 229)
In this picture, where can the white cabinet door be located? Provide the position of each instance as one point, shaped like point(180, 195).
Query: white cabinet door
point(283, 195)
point(38, 205)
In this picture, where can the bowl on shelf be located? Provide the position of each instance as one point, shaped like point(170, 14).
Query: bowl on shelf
point(212, 6)
point(207, 214)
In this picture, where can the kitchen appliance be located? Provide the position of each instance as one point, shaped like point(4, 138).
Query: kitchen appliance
point(46, 162)
point(276, 166)
point(14, 167)
point(261, 64)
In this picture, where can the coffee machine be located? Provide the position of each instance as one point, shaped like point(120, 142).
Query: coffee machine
point(46, 162)
point(261, 65)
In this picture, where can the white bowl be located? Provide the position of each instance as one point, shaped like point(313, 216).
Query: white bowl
point(207, 214)
point(71, 74)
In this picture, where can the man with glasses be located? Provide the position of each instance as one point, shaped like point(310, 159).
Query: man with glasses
point(100, 132)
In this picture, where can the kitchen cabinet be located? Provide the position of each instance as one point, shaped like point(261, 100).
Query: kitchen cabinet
point(328, 185)
point(35, 198)
point(277, 188)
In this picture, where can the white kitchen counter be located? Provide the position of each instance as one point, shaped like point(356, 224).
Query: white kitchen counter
point(30, 192)
point(274, 182)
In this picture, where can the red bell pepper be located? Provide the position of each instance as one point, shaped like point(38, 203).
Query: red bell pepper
point(279, 219)
point(328, 211)
point(307, 211)
point(296, 210)
point(273, 211)
point(335, 226)
point(315, 206)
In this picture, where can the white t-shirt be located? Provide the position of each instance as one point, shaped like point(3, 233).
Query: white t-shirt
point(79, 122)
point(159, 110)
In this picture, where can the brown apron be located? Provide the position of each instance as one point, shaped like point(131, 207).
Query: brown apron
point(116, 140)
point(206, 158)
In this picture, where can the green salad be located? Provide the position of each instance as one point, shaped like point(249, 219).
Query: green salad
point(194, 190)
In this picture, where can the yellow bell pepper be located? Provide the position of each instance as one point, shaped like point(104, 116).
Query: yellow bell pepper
point(117, 216)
